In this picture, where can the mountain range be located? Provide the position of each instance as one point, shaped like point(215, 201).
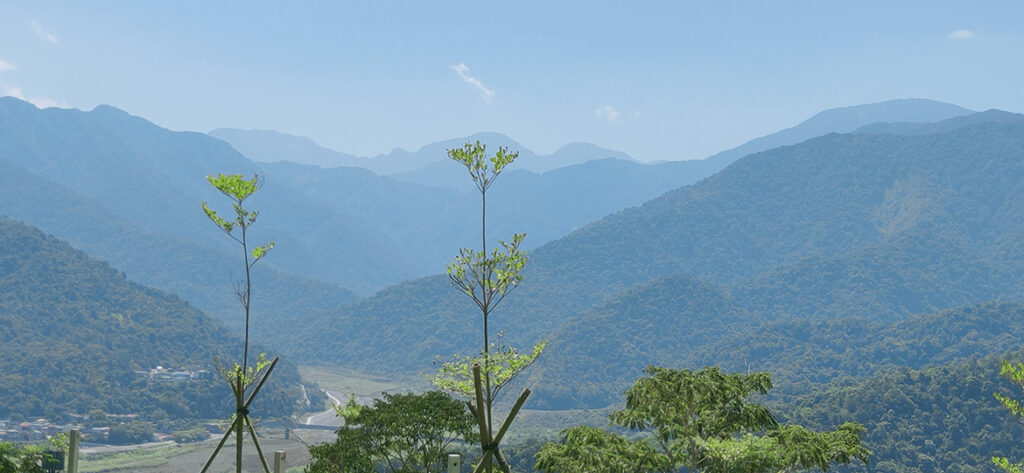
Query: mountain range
point(881, 226)
point(869, 257)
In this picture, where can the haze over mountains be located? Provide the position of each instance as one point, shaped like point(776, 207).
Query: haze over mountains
point(127, 191)
point(881, 226)
point(791, 253)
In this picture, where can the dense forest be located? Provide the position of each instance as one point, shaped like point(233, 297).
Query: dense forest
point(74, 331)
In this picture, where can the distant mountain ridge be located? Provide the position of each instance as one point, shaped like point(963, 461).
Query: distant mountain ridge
point(427, 165)
point(269, 146)
point(846, 120)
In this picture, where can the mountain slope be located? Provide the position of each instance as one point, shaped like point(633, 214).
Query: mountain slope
point(155, 179)
point(890, 224)
point(203, 275)
point(268, 146)
point(73, 331)
point(939, 418)
point(846, 120)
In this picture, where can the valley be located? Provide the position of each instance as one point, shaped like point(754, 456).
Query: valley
point(869, 262)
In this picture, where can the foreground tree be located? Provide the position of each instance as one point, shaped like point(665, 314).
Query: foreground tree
point(242, 377)
point(700, 420)
point(1014, 373)
point(30, 458)
point(402, 432)
point(486, 278)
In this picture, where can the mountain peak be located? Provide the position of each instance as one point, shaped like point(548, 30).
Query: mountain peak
point(847, 119)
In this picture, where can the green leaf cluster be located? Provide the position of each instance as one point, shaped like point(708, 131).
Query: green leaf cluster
point(503, 362)
point(483, 170)
point(703, 421)
point(399, 432)
point(22, 458)
point(237, 188)
point(487, 279)
point(1014, 372)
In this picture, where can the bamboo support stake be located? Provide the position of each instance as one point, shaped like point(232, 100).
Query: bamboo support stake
point(74, 441)
point(279, 457)
point(241, 415)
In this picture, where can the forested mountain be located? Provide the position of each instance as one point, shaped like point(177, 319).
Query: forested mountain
point(879, 226)
point(846, 120)
point(544, 196)
point(680, 322)
point(438, 221)
point(941, 418)
point(203, 275)
point(73, 331)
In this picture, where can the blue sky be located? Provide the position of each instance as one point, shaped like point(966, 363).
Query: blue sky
point(658, 80)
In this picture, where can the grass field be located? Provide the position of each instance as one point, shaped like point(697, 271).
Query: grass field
point(346, 381)
point(173, 458)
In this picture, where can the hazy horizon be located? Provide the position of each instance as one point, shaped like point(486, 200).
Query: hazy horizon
point(659, 82)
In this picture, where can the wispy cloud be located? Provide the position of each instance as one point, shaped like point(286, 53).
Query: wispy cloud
point(43, 33)
point(606, 113)
point(463, 72)
point(16, 92)
point(960, 34)
point(6, 66)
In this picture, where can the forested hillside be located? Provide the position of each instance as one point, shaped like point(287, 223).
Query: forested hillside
point(676, 322)
point(73, 331)
point(942, 418)
point(877, 226)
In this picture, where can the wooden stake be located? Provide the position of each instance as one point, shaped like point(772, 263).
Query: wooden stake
point(279, 457)
point(74, 440)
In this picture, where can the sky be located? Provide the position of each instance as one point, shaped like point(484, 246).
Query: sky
point(657, 80)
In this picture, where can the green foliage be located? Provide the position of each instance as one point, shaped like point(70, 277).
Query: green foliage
point(195, 434)
point(481, 169)
point(939, 418)
point(402, 432)
point(1015, 374)
point(486, 279)
point(591, 450)
point(691, 323)
point(131, 433)
point(504, 363)
point(22, 458)
point(237, 188)
point(685, 408)
point(701, 420)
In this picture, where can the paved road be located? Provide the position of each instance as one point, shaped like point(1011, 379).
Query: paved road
point(328, 417)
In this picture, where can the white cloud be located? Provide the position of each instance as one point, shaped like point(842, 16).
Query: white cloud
point(42, 33)
point(606, 113)
point(6, 66)
point(961, 34)
point(16, 92)
point(463, 72)
point(39, 102)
